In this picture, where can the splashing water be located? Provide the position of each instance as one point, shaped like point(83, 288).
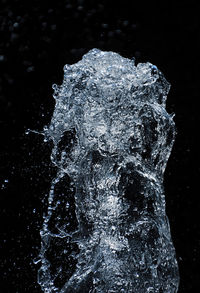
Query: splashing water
point(106, 229)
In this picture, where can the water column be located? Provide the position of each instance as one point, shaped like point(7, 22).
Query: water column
point(112, 138)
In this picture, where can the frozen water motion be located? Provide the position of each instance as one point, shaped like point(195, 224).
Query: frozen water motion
point(106, 228)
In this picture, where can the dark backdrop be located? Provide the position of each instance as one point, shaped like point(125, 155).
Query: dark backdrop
point(37, 39)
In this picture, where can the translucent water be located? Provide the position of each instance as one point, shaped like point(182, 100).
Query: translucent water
point(106, 228)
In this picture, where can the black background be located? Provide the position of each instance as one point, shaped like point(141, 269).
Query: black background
point(37, 39)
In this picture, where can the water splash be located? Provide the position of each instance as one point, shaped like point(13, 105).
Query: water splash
point(106, 229)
